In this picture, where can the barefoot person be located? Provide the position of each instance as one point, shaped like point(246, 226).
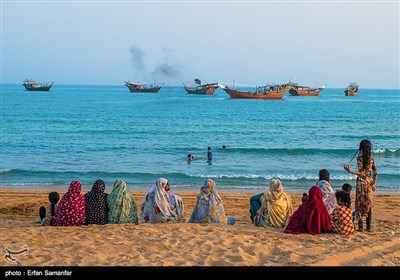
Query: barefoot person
point(365, 183)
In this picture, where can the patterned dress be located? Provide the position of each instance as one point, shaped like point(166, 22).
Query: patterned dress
point(71, 209)
point(157, 205)
point(364, 187)
point(121, 205)
point(209, 207)
point(342, 221)
point(328, 195)
point(276, 207)
point(47, 219)
point(96, 204)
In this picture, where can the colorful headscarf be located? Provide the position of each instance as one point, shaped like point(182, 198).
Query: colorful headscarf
point(158, 206)
point(71, 209)
point(121, 205)
point(328, 195)
point(276, 206)
point(311, 217)
point(209, 207)
point(96, 204)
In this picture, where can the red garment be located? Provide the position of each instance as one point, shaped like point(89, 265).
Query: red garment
point(71, 209)
point(311, 217)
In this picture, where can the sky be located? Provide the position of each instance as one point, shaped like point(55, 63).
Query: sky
point(255, 43)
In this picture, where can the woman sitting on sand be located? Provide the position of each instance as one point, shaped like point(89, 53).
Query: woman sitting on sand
point(328, 195)
point(48, 213)
point(276, 206)
point(209, 208)
point(159, 206)
point(71, 209)
point(341, 217)
point(311, 217)
point(96, 204)
point(121, 205)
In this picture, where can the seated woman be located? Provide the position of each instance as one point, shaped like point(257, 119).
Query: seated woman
point(341, 217)
point(276, 206)
point(48, 213)
point(311, 216)
point(209, 208)
point(121, 205)
point(328, 195)
point(255, 204)
point(96, 204)
point(72, 207)
point(159, 206)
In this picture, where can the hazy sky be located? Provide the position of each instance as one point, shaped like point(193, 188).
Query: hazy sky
point(89, 42)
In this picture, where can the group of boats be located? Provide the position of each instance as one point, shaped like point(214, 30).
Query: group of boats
point(274, 91)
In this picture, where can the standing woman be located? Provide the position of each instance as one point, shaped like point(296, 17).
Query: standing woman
point(121, 205)
point(365, 183)
point(71, 210)
point(96, 204)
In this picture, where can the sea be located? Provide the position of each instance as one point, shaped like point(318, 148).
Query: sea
point(89, 132)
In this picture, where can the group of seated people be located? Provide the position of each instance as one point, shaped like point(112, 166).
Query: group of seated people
point(159, 205)
point(322, 210)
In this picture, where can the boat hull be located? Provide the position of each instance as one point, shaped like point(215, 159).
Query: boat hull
point(298, 92)
point(150, 90)
point(350, 93)
point(207, 91)
point(275, 94)
point(41, 88)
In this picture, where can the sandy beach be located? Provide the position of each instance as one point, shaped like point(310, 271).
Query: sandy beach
point(192, 244)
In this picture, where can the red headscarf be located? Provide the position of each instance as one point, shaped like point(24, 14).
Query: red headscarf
point(311, 217)
point(71, 209)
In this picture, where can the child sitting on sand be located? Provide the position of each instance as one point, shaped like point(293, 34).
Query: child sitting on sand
point(48, 213)
point(341, 217)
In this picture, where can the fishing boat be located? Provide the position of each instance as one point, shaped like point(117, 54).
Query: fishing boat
point(261, 92)
point(351, 90)
point(137, 87)
point(201, 89)
point(32, 85)
point(297, 90)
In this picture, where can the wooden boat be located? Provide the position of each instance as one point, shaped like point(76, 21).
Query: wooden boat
point(137, 87)
point(351, 90)
point(201, 89)
point(261, 92)
point(297, 90)
point(32, 85)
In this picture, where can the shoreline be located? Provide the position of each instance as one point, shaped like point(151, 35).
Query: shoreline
point(185, 244)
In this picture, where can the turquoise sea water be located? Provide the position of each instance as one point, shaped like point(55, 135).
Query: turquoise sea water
point(83, 132)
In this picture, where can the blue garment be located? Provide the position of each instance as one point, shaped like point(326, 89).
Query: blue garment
point(209, 155)
point(255, 204)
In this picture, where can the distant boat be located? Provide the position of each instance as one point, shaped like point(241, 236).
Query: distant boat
point(351, 90)
point(297, 90)
point(32, 85)
point(261, 92)
point(201, 89)
point(137, 87)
